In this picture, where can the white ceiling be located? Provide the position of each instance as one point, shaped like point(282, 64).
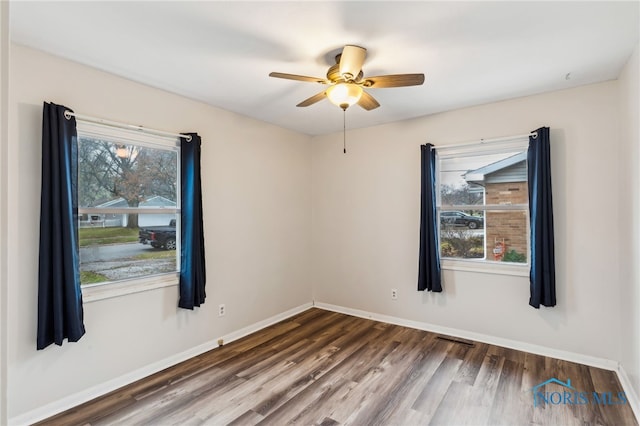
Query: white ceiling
point(222, 52)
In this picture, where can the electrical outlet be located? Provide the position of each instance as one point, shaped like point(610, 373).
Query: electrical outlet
point(222, 310)
point(394, 293)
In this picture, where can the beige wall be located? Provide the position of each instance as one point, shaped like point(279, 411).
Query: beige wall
point(256, 184)
point(4, 139)
point(366, 211)
point(629, 216)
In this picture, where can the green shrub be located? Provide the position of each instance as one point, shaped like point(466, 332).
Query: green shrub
point(446, 249)
point(461, 244)
point(476, 252)
point(514, 257)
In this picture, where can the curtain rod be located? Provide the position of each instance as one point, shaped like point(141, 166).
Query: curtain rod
point(484, 141)
point(68, 114)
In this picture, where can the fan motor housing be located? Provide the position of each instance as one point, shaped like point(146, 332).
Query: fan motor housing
point(333, 75)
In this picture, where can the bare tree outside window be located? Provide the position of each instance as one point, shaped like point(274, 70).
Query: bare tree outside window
point(108, 170)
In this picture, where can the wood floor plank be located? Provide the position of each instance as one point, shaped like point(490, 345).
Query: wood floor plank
point(535, 371)
point(162, 404)
point(347, 344)
point(325, 368)
point(509, 390)
point(581, 381)
point(248, 418)
point(454, 402)
point(429, 399)
point(351, 364)
point(609, 396)
point(267, 386)
point(385, 379)
point(401, 401)
point(471, 364)
point(485, 389)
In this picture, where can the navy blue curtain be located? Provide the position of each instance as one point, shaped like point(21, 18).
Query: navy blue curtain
point(60, 313)
point(429, 276)
point(192, 264)
point(542, 275)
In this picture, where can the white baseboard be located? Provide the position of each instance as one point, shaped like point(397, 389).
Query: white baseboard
point(603, 363)
point(629, 391)
point(76, 399)
point(264, 324)
point(478, 337)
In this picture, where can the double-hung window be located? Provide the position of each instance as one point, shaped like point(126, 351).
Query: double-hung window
point(483, 204)
point(129, 206)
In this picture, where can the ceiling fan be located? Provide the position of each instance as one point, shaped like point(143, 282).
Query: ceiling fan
point(347, 82)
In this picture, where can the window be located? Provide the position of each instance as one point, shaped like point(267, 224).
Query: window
point(129, 205)
point(483, 203)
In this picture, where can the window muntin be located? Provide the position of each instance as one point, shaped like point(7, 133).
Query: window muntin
point(482, 203)
point(126, 182)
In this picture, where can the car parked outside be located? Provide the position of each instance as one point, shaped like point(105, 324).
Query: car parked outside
point(457, 218)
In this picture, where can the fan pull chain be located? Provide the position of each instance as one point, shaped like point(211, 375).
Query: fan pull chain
point(344, 130)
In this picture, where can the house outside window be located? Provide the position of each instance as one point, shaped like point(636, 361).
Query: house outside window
point(483, 204)
point(128, 183)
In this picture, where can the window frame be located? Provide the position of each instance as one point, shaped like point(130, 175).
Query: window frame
point(502, 146)
point(104, 290)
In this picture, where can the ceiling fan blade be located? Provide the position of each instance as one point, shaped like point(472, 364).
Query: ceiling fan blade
point(298, 77)
point(395, 80)
point(351, 60)
point(368, 102)
point(313, 99)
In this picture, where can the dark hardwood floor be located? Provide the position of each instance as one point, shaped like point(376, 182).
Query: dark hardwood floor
point(325, 368)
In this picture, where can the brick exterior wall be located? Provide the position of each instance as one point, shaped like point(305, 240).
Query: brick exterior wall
point(510, 226)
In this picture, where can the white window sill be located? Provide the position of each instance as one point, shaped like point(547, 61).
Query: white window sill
point(95, 292)
point(484, 267)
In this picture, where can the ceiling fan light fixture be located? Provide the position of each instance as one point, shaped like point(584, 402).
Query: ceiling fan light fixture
point(346, 81)
point(344, 94)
